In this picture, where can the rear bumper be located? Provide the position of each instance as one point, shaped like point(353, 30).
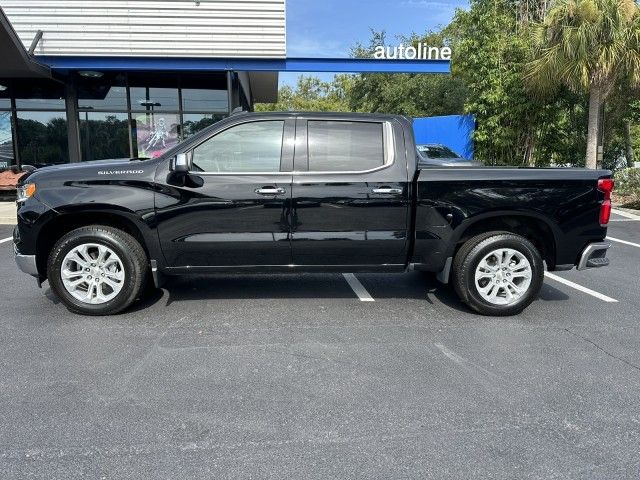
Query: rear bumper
point(594, 255)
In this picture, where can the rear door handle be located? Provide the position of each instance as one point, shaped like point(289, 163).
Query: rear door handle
point(270, 191)
point(387, 190)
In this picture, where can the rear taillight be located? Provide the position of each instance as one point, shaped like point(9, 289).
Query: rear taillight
point(605, 185)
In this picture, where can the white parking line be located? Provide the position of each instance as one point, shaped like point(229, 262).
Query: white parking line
point(6, 239)
point(622, 213)
point(586, 290)
point(358, 288)
point(624, 241)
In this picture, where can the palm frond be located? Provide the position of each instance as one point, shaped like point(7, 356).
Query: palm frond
point(585, 42)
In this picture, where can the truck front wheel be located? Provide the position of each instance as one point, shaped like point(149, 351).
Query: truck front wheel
point(498, 273)
point(97, 270)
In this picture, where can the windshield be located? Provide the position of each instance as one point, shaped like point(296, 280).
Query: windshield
point(437, 151)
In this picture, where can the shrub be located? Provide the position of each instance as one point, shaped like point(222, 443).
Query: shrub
point(628, 181)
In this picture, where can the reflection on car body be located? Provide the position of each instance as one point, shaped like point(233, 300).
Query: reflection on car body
point(438, 155)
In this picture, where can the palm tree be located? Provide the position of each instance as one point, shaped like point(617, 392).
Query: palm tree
point(587, 45)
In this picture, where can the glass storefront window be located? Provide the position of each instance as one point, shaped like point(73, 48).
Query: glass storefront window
point(201, 100)
point(42, 138)
point(6, 141)
point(154, 99)
point(39, 95)
point(104, 135)
point(119, 114)
point(102, 97)
point(40, 103)
point(154, 133)
point(194, 122)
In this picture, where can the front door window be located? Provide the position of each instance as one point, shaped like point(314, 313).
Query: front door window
point(244, 148)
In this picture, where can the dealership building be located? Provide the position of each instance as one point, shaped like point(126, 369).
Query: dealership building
point(87, 80)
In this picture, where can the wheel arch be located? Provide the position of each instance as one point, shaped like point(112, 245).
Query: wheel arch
point(534, 227)
point(63, 223)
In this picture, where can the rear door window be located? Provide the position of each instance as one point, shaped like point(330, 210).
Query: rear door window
point(343, 146)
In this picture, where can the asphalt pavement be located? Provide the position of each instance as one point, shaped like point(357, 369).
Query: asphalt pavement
point(325, 376)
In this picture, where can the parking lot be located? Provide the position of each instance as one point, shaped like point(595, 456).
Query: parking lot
point(325, 376)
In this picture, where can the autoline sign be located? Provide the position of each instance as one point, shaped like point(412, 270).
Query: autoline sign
point(409, 52)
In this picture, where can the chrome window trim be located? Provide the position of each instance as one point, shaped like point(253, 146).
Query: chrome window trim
point(388, 142)
point(389, 153)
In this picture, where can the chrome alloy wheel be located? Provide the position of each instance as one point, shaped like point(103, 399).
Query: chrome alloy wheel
point(503, 276)
point(92, 273)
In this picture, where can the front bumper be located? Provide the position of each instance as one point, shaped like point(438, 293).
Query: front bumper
point(594, 255)
point(27, 263)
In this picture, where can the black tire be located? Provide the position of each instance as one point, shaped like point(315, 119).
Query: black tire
point(471, 254)
point(130, 252)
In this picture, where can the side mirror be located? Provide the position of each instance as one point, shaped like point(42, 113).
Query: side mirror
point(181, 163)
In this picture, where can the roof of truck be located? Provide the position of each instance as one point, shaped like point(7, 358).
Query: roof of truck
point(376, 116)
point(238, 117)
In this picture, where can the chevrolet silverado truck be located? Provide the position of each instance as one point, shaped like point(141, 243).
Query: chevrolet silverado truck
point(305, 192)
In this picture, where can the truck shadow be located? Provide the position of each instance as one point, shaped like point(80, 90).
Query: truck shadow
point(549, 293)
point(412, 285)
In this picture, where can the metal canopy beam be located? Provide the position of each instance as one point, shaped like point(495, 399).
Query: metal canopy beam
point(16, 62)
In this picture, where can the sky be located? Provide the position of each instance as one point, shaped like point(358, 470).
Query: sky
point(328, 28)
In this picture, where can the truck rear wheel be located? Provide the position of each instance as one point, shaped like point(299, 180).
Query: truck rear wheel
point(498, 273)
point(97, 270)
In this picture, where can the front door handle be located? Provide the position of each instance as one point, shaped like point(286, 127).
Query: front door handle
point(270, 191)
point(387, 190)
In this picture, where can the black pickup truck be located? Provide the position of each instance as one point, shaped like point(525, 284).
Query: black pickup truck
point(301, 192)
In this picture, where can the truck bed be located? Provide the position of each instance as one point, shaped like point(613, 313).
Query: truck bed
point(558, 206)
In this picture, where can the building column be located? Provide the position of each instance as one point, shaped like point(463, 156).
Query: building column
point(73, 124)
point(229, 92)
point(14, 133)
point(233, 94)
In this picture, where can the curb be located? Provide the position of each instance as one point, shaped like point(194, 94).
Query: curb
point(628, 210)
point(8, 213)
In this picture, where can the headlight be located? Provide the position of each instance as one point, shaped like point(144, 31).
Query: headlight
point(25, 191)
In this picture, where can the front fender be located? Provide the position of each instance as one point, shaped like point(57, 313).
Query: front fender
point(57, 210)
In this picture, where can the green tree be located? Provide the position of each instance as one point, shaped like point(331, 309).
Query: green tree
point(312, 94)
point(408, 94)
point(417, 95)
point(489, 55)
point(620, 112)
point(587, 45)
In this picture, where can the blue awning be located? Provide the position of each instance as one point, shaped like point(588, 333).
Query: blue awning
point(337, 65)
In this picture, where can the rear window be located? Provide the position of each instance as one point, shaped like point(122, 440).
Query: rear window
point(340, 146)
